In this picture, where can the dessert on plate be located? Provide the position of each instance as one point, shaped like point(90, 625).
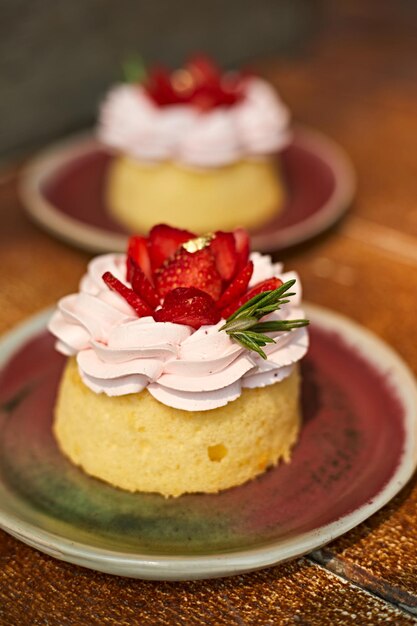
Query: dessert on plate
point(196, 146)
point(182, 371)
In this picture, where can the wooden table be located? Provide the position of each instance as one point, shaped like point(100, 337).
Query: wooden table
point(359, 85)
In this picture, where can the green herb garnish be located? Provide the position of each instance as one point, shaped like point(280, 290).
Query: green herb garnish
point(244, 325)
point(134, 69)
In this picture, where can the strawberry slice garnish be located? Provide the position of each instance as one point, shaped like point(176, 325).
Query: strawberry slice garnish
point(189, 269)
point(203, 69)
point(159, 86)
point(164, 241)
point(132, 298)
point(142, 286)
point(188, 306)
point(266, 285)
point(223, 248)
point(200, 84)
point(237, 288)
point(207, 97)
point(137, 250)
point(242, 242)
point(212, 88)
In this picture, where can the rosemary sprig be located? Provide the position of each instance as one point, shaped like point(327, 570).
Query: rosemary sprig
point(245, 328)
point(134, 69)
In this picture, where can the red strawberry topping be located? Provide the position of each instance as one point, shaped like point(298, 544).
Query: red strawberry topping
point(142, 286)
point(242, 246)
point(138, 251)
point(164, 242)
point(200, 84)
point(223, 248)
point(159, 86)
point(189, 269)
point(189, 306)
point(237, 287)
point(266, 285)
point(132, 298)
point(197, 279)
point(203, 70)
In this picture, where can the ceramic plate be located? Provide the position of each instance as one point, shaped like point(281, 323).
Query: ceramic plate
point(63, 189)
point(357, 449)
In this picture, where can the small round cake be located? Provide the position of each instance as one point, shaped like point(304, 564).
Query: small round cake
point(139, 444)
point(194, 138)
point(182, 374)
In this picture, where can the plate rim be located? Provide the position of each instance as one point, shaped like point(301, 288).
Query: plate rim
point(163, 567)
point(95, 239)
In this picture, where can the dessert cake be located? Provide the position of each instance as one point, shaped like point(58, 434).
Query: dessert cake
point(182, 371)
point(195, 137)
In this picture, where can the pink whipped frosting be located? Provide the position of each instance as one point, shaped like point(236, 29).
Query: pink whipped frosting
point(193, 370)
point(131, 123)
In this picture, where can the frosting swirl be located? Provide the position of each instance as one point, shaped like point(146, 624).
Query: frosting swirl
point(194, 370)
point(130, 122)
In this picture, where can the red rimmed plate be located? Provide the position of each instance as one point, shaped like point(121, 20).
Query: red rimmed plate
point(63, 190)
point(358, 448)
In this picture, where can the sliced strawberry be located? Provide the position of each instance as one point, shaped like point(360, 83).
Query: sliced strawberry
point(159, 87)
point(207, 97)
point(132, 298)
point(189, 306)
point(138, 251)
point(236, 288)
point(164, 241)
point(265, 285)
point(189, 269)
point(203, 69)
point(223, 248)
point(242, 246)
point(142, 286)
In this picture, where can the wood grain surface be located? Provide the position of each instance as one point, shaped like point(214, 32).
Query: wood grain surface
point(359, 85)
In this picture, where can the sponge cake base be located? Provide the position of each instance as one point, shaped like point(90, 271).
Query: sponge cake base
point(138, 444)
point(246, 193)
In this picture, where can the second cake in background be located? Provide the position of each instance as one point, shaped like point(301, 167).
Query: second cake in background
point(195, 137)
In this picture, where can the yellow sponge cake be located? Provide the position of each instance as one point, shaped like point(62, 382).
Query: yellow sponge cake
point(139, 444)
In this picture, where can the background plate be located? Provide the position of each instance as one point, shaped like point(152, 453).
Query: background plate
point(357, 449)
point(63, 189)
